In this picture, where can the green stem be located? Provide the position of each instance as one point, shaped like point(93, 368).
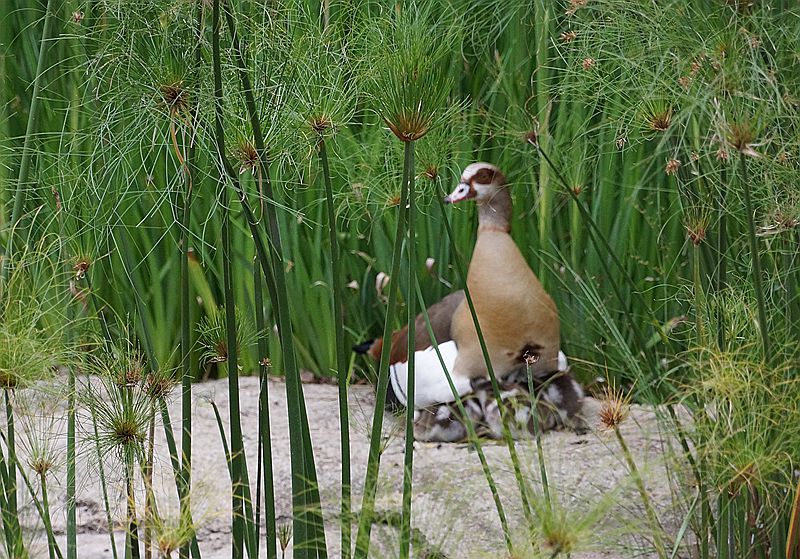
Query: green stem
point(471, 434)
point(149, 500)
point(373, 457)
point(307, 511)
point(648, 506)
point(537, 432)
point(341, 355)
point(132, 537)
point(31, 129)
point(722, 261)
point(11, 479)
point(103, 485)
point(263, 423)
point(509, 440)
point(408, 456)
point(185, 485)
point(48, 527)
point(751, 233)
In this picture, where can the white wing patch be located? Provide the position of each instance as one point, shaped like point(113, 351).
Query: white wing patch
point(430, 380)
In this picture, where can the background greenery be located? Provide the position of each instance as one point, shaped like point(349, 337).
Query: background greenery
point(666, 228)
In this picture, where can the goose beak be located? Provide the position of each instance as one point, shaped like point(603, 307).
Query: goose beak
point(462, 192)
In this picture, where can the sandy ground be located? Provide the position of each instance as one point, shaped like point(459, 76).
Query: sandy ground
point(452, 504)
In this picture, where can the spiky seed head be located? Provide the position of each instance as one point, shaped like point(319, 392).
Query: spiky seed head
point(247, 156)
point(659, 120)
point(431, 172)
point(532, 137)
point(158, 385)
point(41, 464)
point(81, 267)
point(175, 97)
point(131, 372)
point(321, 124)
point(569, 36)
point(284, 534)
point(615, 407)
point(685, 82)
point(672, 166)
point(560, 540)
point(621, 141)
point(696, 228)
point(741, 136)
point(77, 16)
point(574, 6)
point(126, 431)
point(722, 155)
point(588, 63)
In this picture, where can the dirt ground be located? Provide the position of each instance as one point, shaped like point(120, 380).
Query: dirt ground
point(452, 508)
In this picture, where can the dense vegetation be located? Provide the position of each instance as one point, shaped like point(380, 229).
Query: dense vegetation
point(196, 188)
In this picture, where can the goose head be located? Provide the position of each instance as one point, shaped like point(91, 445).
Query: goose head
point(480, 182)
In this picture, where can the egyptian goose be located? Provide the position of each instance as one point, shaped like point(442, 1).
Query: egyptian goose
point(517, 317)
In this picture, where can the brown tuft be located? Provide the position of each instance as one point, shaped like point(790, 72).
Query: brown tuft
point(660, 121)
point(532, 137)
point(247, 156)
point(321, 124)
point(574, 6)
point(696, 231)
point(529, 354)
point(615, 407)
point(77, 16)
point(569, 36)
point(431, 172)
point(672, 167)
point(81, 267)
point(588, 63)
point(175, 97)
point(740, 136)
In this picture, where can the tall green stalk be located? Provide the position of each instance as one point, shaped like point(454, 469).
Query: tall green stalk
point(186, 343)
point(34, 113)
point(472, 436)
point(237, 449)
point(408, 456)
point(648, 505)
point(537, 433)
point(341, 355)
point(132, 535)
point(13, 530)
point(461, 269)
point(756, 256)
point(307, 511)
point(104, 487)
point(543, 108)
point(263, 419)
point(722, 261)
point(373, 456)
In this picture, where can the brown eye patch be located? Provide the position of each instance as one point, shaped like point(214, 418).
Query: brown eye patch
point(484, 176)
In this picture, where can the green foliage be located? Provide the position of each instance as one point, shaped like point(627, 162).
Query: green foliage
point(671, 248)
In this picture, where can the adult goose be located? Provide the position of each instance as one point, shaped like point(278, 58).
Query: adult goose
point(518, 319)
